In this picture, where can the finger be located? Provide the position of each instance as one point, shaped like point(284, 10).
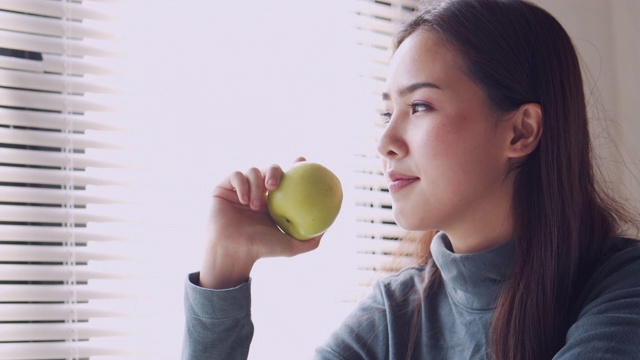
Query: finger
point(257, 189)
point(300, 159)
point(272, 177)
point(240, 184)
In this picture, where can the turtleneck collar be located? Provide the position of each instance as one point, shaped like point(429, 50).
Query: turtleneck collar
point(473, 280)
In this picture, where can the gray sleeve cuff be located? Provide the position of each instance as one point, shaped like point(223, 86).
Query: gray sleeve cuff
point(216, 304)
point(218, 322)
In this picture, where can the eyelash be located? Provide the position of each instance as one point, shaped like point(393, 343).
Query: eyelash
point(413, 105)
point(386, 115)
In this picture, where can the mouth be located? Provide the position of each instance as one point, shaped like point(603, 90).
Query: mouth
point(399, 181)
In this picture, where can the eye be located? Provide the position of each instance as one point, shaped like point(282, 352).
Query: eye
point(417, 107)
point(385, 117)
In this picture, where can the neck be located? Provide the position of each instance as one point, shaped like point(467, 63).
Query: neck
point(483, 233)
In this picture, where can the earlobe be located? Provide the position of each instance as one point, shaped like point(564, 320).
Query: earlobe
point(526, 130)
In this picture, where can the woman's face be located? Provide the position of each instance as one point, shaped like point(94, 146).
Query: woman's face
point(443, 148)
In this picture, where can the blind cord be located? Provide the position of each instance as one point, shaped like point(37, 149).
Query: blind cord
point(72, 282)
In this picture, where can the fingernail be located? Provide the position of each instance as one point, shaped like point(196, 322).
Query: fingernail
point(272, 182)
point(255, 204)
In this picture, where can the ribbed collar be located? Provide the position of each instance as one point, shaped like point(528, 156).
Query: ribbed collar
point(473, 280)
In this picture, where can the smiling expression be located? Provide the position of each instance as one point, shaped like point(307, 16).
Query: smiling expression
point(443, 147)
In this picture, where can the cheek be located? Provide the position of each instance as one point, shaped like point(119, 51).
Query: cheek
point(438, 142)
point(456, 148)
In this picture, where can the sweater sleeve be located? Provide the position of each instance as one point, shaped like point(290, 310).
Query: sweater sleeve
point(608, 327)
point(217, 322)
point(362, 335)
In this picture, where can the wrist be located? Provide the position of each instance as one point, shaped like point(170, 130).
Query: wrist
point(223, 270)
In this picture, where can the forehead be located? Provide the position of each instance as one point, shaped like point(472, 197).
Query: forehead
point(423, 57)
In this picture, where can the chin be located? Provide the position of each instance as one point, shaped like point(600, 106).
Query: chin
point(410, 222)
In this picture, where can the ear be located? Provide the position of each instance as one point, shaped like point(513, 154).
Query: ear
point(526, 129)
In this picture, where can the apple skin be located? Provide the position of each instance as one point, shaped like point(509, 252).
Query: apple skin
point(307, 201)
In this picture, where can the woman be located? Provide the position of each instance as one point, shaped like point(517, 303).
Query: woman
point(486, 145)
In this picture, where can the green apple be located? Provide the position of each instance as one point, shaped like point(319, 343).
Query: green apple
point(307, 201)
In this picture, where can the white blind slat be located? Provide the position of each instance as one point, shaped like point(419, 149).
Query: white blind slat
point(52, 177)
point(50, 196)
point(54, 312)
point(378, 10)
point(48, 26)
point(55, 64)
point(14, 213)
point(377, 231)
point(74, 66)
point(31, 253)
point(55, 121)
point(47, 351)
point(370, 181)
point(376, 40)
point(57, 9)
point(374, 25)
point(56, 293)
point(51, 158)
point(50, 82)
point(48, 101)
point(53, 332)
point(51, 45)
point(50, 139)
point(53, 234)
point(9, 62)
point(371, 198)
point(54, 273)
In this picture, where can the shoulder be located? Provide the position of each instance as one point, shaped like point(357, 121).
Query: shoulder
point(622, 266)
point(626, 257)
point(404, 284)
point(368, 331)
point(617, 278)
point(608, 323)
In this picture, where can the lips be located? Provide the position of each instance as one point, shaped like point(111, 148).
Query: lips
point(398, 181)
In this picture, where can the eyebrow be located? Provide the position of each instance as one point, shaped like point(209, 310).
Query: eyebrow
point(411, 88)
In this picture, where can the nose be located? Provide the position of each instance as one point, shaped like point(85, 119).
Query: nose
point(391, 143)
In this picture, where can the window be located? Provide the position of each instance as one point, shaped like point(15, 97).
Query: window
point(376, 22)
point(60, 273)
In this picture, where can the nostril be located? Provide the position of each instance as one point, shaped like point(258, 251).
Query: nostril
point(389, 144)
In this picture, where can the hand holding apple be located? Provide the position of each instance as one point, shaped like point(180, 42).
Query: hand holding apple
point(307, 200)
point(241, 229)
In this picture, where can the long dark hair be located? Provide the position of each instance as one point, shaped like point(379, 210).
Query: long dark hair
point(563, 221)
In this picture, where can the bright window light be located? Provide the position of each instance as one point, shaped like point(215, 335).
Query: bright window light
point(213, 87)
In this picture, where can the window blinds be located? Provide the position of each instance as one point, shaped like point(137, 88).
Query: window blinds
point(377, 233)
point(55, 290)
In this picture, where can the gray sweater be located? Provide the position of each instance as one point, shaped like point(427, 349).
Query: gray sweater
point(452, 322)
